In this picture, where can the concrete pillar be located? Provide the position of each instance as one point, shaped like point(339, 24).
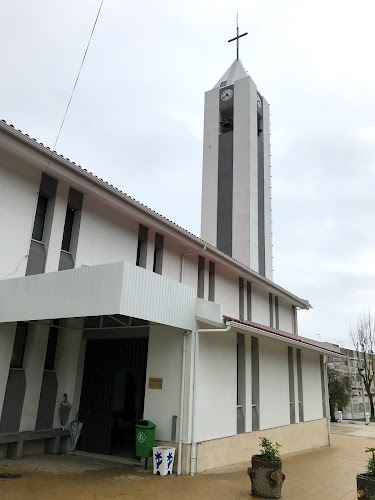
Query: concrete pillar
point(248, 407)
point(7, 335)
point(69, 364)
point(33, 363)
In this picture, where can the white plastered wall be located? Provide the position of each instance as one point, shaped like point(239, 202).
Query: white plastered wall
point(210, 167)
point(19, 189)
point(216, 411)
point(227, 291)
point(260, 306)
point(164, 360)
point(311, 383)
point(267, 192)
point(106, 235)
point(285, 316)
point(273, 383)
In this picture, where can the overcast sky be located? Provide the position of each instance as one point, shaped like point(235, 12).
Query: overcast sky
point(136, 118)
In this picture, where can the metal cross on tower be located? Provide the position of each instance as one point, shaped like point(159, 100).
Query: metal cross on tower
point(237, 37)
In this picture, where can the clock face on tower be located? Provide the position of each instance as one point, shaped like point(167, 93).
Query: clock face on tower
point(226, 94)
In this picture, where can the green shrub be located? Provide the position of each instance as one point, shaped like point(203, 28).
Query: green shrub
point(271, 451)
point(371, 462)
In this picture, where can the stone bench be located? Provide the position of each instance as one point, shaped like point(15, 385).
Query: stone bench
point(15, 441)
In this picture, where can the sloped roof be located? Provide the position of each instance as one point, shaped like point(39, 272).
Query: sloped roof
point(24, 138)
point(236, 71)
point(321, 346)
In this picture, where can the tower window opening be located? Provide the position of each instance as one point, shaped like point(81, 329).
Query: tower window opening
point(226, 120)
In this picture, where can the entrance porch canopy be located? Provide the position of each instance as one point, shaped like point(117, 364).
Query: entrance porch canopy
point(116, 288)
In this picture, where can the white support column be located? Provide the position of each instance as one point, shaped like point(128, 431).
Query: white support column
point(33, 363)
point(55, 227)
point(7, 335)
point(68, 363)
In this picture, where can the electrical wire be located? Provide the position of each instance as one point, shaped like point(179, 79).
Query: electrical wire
point(75, 84)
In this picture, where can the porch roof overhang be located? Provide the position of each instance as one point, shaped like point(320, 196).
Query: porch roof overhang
point(116, 288)
point(261, 330)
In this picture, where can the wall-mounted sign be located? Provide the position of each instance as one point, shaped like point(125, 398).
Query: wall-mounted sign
point(155, 383)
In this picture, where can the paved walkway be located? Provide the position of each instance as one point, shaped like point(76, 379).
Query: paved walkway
point(325, 473)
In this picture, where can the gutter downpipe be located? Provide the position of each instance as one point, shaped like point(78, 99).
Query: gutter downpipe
point(179, 464)
point(193, 458)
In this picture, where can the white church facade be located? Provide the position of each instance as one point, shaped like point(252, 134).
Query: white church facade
point(132, 316)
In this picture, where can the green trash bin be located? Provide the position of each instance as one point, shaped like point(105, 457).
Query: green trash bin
point(144, 438)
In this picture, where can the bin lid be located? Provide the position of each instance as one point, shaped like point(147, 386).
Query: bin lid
point(145, 424)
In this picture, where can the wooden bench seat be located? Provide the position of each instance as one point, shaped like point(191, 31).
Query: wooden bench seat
point(15, 441)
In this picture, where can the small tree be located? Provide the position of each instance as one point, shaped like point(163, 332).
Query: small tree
point(339, 389)
point(362, 334)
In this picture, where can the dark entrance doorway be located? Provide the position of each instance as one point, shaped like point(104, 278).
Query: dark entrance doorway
point(112, 396)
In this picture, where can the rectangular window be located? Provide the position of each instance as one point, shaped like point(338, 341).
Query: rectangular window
point(68, 228)
point(74, 205)
point(248, 300)
point(241, 299)
point(158, 253)
point(51, 346)
point(240, 383)
point(211, 281)
point(200, 291)
point(292, 399)
point(40, 218)
point(294, 321)
point(300, 386)
point(19, 345)
point(255, 383)
point(277, 319)
point(142, 246)
point(323, 384)
point(270, 300)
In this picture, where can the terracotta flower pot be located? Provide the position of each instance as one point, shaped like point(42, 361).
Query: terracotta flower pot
point(266, 477)
point(365, 487)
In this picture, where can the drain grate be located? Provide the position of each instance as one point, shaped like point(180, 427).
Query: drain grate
point(7, 475)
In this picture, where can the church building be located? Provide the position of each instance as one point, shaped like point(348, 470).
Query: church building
point(131, 316)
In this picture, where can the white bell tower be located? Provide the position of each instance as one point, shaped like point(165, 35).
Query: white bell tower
point(236, 187)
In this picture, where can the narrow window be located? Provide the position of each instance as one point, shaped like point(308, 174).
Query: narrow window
point(142, 246)
point(71, 228)
point(211, 281)
point(248, 300)
point(40, 218)
point(158, 253)
point(51, 346)
point(255, 383)
point(200, 291)
point(241, 299)
point(292, 398)
point(19, 345)
point(240, 383)
point(300, 387)
point(322, 379)
point(68, 228)
point(277, 319)
point(42, 226)
point(294, 321)
point(270, 300)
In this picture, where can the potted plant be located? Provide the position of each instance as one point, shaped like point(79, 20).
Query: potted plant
point(366, 481)
point(265, 471)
